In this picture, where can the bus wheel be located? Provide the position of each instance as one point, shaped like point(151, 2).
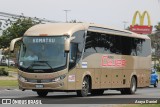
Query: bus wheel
point(132, 89)
point(156, 84)
point(85, 88)
point(133, 86)
point(97, 92)
point(42, 93)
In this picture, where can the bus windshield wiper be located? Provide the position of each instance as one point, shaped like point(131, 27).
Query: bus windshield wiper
point(46, 62)
point(33, 64)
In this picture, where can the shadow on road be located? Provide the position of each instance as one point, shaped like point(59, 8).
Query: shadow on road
point(70, 96)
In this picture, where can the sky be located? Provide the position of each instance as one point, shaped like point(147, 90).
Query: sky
point(106, 12)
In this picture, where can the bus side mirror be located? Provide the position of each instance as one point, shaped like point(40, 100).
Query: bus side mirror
point(67, 44)
point(12, 44)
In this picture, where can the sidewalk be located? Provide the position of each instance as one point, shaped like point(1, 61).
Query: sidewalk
point(8, 88)
point(12, 76)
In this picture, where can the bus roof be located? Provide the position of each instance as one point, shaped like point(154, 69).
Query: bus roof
point(55, 29)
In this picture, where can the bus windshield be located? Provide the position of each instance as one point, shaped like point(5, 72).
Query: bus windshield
point(42, 53)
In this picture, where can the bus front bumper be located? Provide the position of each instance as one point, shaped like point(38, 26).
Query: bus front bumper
point(41, 86)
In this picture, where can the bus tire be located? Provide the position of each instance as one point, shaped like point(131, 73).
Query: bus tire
point(42, 93)
point(85, 88)
point(132, 89)
point(133, 86)
point(97, 92)
point(156, 84)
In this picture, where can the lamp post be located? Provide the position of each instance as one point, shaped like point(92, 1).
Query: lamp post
point(66, 11)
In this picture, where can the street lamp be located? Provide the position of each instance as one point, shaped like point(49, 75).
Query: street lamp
point(66, 11)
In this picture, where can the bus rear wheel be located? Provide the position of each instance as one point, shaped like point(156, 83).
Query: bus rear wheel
point(42, 93)
point(133, 86)
point(132, 89)
point(97, 92)
point(85, 88)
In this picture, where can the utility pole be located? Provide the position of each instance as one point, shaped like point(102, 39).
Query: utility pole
point(66, 11)
point(125, 22)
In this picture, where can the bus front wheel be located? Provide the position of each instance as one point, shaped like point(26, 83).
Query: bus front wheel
point(42, 93)
point(85, 88)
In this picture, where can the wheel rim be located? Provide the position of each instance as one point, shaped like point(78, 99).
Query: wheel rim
point(85, 87)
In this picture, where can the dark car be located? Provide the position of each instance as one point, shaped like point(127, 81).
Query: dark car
point(154, 77)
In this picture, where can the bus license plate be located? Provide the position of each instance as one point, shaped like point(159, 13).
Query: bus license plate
point(39, 86)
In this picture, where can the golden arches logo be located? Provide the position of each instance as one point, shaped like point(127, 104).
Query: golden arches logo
point(141, 18)
point(141, 28)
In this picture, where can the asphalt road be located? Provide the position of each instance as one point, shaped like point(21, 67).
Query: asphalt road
point(109, 97)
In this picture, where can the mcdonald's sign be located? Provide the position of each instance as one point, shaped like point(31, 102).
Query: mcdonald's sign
point(141, 28)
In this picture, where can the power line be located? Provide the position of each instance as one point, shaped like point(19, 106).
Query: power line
point(9, 15)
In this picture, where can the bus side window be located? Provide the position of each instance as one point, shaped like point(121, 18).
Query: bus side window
point(73, 55)
point(79, 40)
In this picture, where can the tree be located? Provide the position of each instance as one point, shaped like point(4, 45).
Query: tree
point(157, 26)
point(75, 21)
point(127, 28)
point(155, 43)
point(16, 29)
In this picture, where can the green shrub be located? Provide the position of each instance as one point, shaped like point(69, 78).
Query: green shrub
point(3, 72)
point(157, 67)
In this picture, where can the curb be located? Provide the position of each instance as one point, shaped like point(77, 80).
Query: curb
point(8, 88)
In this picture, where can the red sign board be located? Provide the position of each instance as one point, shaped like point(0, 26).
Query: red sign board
point(111, 62)
point(141, 29)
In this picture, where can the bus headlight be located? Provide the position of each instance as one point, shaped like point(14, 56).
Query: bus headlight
point(22, 78)
point(59, 78)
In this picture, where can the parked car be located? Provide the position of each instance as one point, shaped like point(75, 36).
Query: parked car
point(8, 63)
point(3, 62)
point(154, 77)
point(11, 62)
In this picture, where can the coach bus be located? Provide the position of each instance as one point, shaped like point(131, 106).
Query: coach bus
point(82, 57)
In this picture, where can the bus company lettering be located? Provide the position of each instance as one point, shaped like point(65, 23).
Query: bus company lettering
point(43, 40)
point(109, 61)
